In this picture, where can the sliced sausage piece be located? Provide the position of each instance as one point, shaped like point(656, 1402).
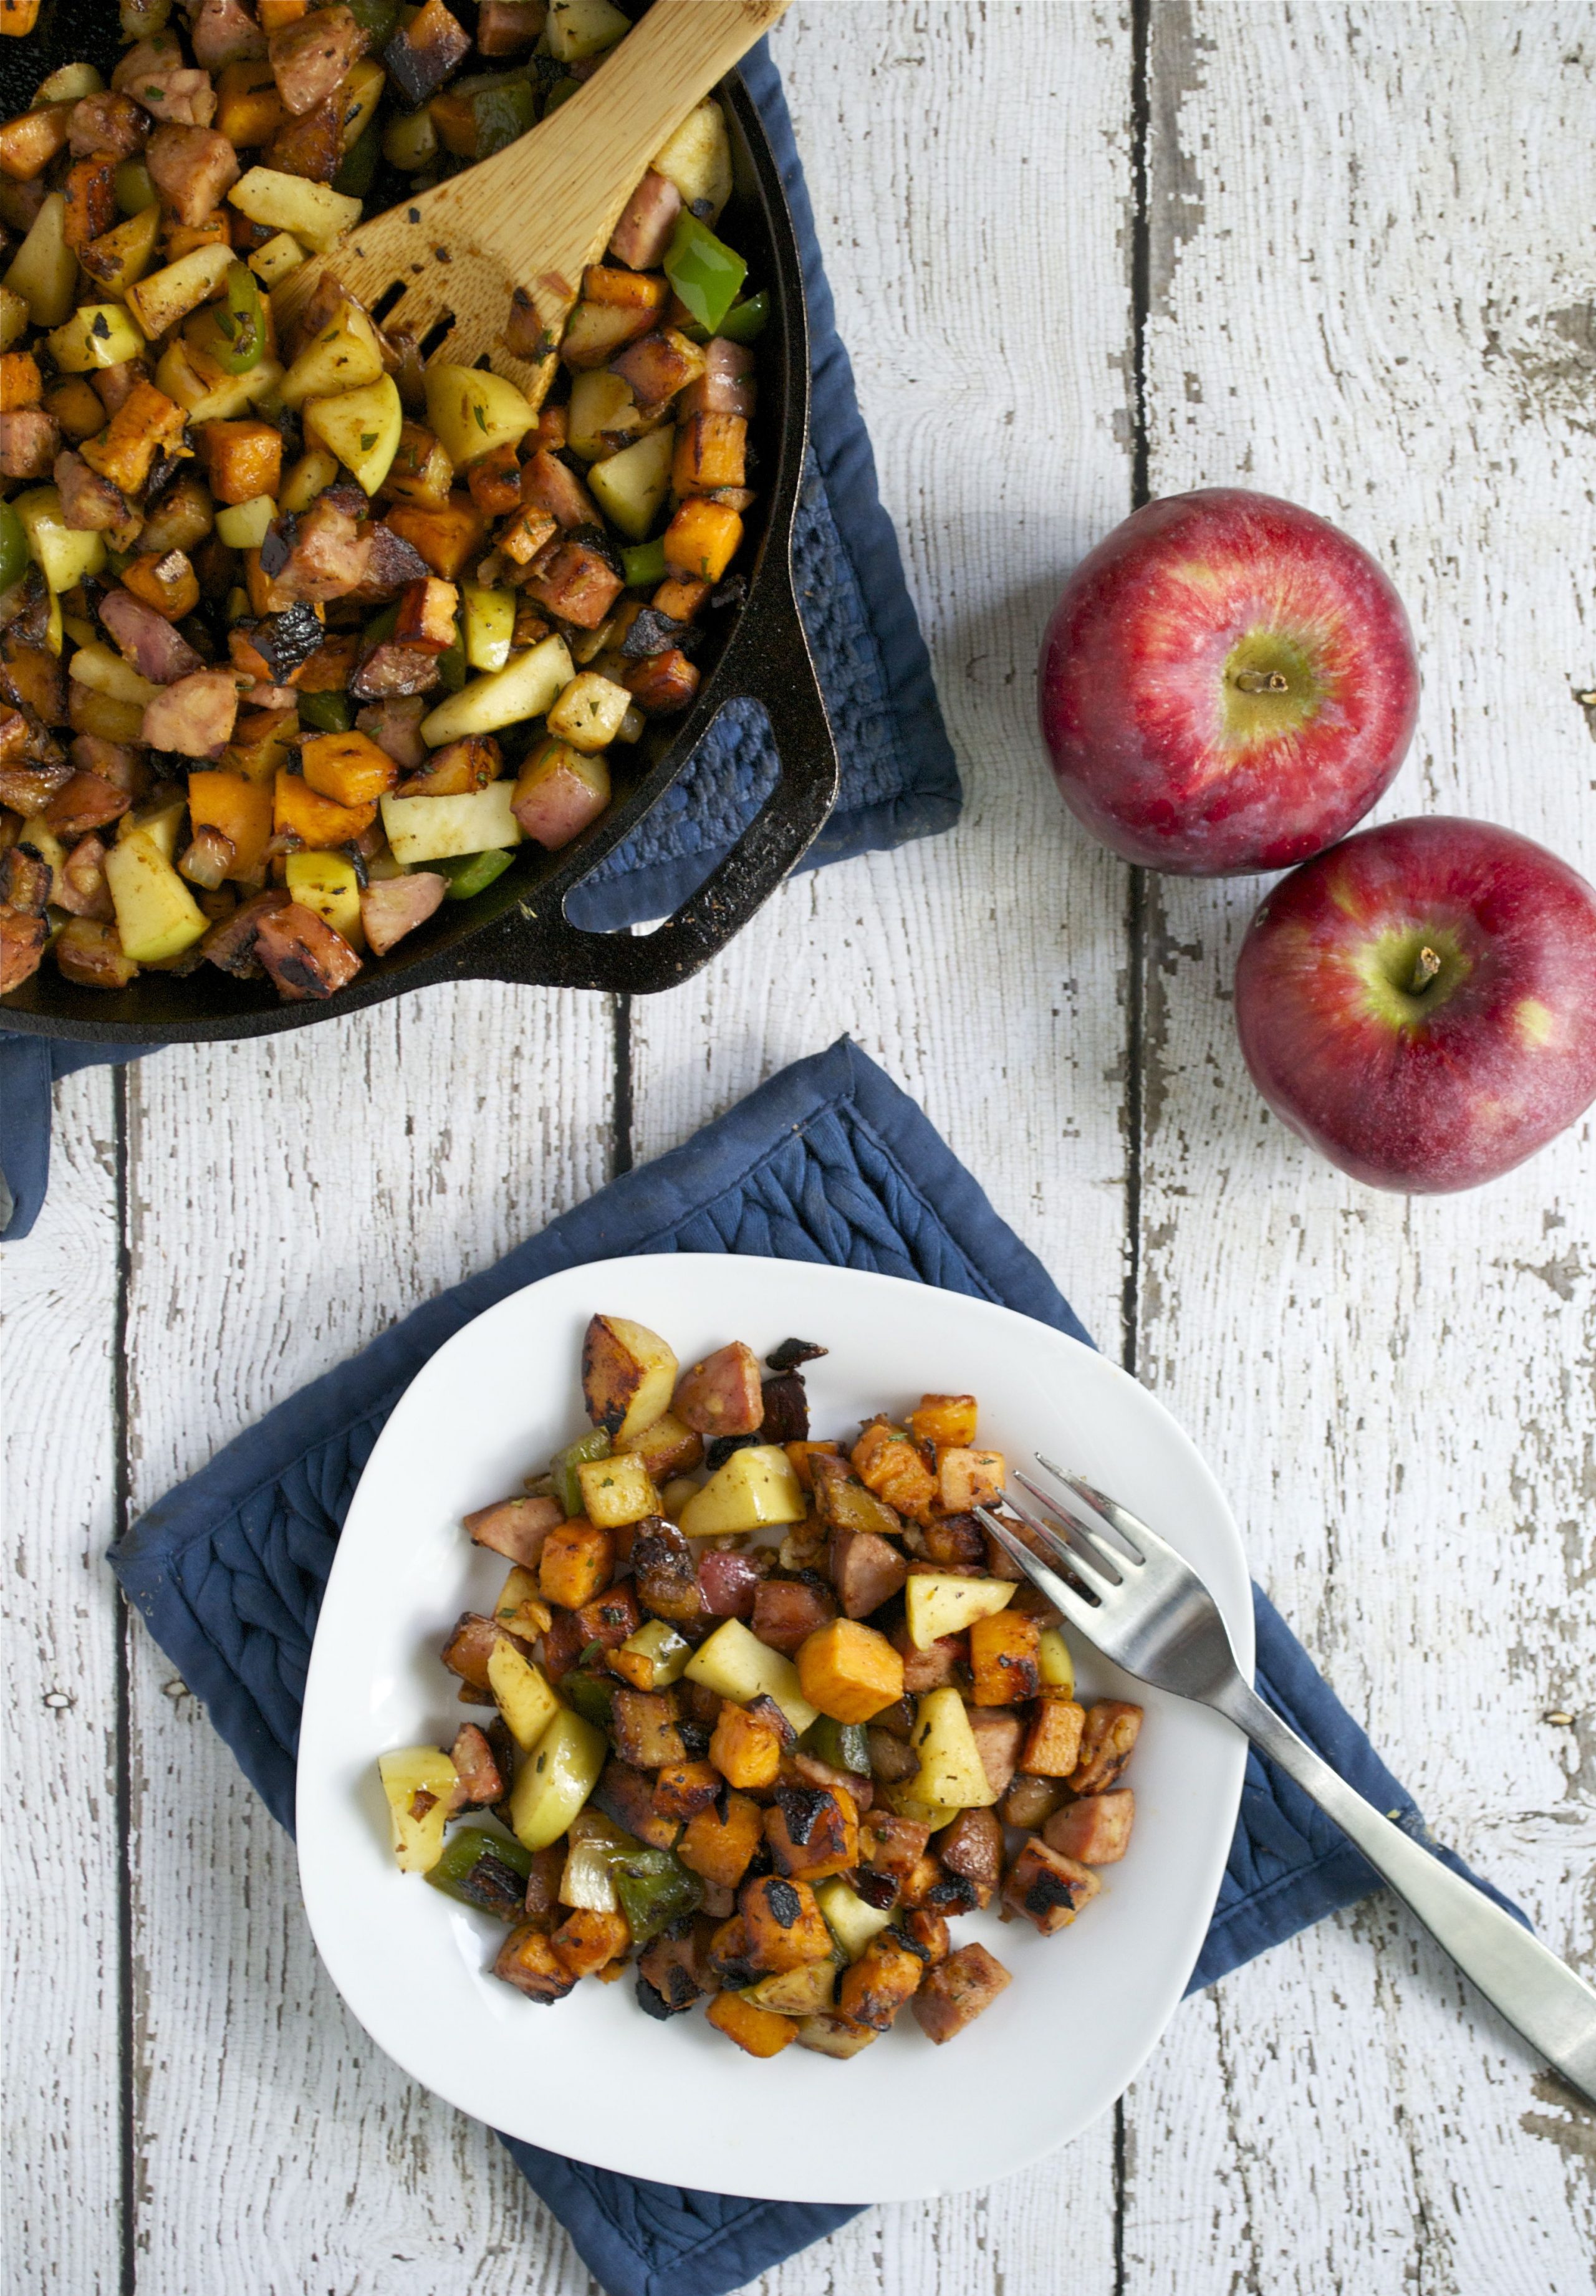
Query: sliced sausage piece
point(29, 442)
point(396, 906)
point(550, 485)
point(21, 946)
point(725, 387)
point(87, 802)
point(82, 890)
point(866, 1570)
point(154, 74)
point(1047, 1888)
point(311, 59)
point(195, 715)
point(231, 944)
point(723, 1395)
point(88, 502)
point(997, 1736)
point(513, 1528)
point(481, 1784)
point(149, 641)
point(392, 666)
point(190, 168)
point(957, 1990)
point(303, 955)
point(26, 880)
point(787, 1610)
point(331, 553)
point(972, 1846)
point(109, 123)
point(395, 725)
point(648, 220)
point(225, 33)
point(1096, 1830)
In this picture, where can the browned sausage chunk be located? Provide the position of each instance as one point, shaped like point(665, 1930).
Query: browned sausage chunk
point(973, 1847)
point(1107, 1741)
point(1096, 1830)
point(957, 1990)
point(1047, 1888)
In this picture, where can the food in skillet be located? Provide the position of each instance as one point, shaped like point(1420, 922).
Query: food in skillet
point(301, 635)
point(766, 1714)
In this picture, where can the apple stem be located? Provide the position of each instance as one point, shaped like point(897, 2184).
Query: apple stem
point(1424, 972)
point(1261, 681)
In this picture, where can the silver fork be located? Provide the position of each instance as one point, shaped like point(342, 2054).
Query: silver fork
point(1146, 1609)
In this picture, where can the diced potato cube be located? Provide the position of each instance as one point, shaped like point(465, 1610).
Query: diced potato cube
point(849, 1672)
point(521, 1608)
point(576, 30)
point(835, 2037)
point(939, 1604)
point(589, 712)
point(276, 258)
point(755, 1487)
point(667, 1447)
point(521, 1693)
point(161, 297)
point(64, 556)
point(420, 1785)
point(742, 1667)
point(617, 1490)
point(43, 270)
point(628, 1375)
point(952, 1774)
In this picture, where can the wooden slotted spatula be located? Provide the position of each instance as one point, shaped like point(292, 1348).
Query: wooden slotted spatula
point(518, 230)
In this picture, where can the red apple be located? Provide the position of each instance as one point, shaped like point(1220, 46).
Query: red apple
point(1420, 1004)
point(1228, 682)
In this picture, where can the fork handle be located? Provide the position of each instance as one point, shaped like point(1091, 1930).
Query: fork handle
point(1552, 2007)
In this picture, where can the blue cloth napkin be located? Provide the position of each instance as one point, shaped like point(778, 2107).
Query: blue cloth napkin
point(899, 780)
point(829, 1161)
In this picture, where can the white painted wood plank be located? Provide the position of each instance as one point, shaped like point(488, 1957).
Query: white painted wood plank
point(59, 1867)
point(983, 970)
point(364, 1165)
point(1369, 286)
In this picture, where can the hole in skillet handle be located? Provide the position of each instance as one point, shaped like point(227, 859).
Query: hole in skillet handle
point(768, 661)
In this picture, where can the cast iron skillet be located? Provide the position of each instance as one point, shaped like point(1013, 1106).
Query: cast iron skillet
point(517, 930)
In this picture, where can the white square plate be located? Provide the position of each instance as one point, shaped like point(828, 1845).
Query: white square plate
point(592, 2076)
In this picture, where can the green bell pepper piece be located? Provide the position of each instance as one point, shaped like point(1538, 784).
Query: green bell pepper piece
point(382, 625)
point(379, 19)
point(13, 547)
point(501, 113)
point(240, 322)
point(358, 171)
point(655, 1888)
point(329, 713)
point(560, 93)
point(842, 1744)
point(486, 1870)
point(643, 563)
point(564, 1466)
point(704, 271)
point(451, 662)
point(470, 873)
point(590, 1695)
point(744, 322)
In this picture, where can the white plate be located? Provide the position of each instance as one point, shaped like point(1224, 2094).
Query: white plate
point(592, 2076)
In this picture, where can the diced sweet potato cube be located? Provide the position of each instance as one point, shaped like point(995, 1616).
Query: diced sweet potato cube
point(944, 1419)
point(874, 1988)
point(702, 539)
point(456, 769)
point(682, 602)
point(516, 1528)
point(849, 1670)
point(684, 1788)
point(746, 1747)
point(494, 479)
point(786, 1928)
point(1048, 1888)
point(957, 1990)
point(813, 1831)
point(760, 2031)
point(1053, 1746)
point(527, 1960)
point(966, 1479)
point(1004, 1661)
point(241, 459)
point(318, 822)
point(644, 1727)
point(248, 108)
point(720, 1840)
point(421, 471)
point(1095, 1830)
point(608, 1618)
point(447, 534)
point(471, 1647)
point(20, 384)
point(146, 423)
point(886, 1462)
point(168, 582)
point(427, 614)
point(928, 1929)
point(627, 290)
point(711, 451)
point(662, 684)
point(584, 1942)
point(349, 768)
point(577, 1560)
point(723, 1395)
point(1106, 1739)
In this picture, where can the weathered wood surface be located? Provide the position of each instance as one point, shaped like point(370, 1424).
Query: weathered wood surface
point(1364, 279)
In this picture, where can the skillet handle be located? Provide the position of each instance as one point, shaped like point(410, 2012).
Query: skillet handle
point(769, 661)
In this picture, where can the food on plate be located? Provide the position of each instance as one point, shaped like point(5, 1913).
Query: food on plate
point(761, 1714)
point(302, 632)
point(1420, 1003)
point(1227, 684)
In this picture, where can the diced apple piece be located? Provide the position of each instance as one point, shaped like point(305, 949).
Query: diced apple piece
point(851, 1921)
point(437, 828)
point(952, 1774)
point(576, 30)
point(522, 1693)
point(63, 554)
point(741, 1666)
point(43, 270)
point(343, 355)
point(471, 411)
point(314, 213)
point(361, 427)
point(161, 297)
point(755, 1487)
point(96, 335)
point(555, 1779)
point(330, 884)
point(490, 618)
point(420, 1783)
point(156, 915)
point(628, 1375)
point(631, 487)
point(526, 688)
point(588, 714)
point(697, 158)
point(617, 1490)
point(1056, 1666)
point(939, 1604)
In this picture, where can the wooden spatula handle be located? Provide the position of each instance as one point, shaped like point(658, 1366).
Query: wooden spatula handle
point(575, 178)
